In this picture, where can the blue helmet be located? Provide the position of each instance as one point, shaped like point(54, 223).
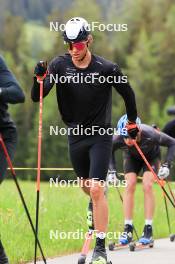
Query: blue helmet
point(121, 125)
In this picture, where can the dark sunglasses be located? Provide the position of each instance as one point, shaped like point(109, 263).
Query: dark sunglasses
point(78, 45)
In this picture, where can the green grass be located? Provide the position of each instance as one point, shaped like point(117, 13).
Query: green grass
point(63, 209)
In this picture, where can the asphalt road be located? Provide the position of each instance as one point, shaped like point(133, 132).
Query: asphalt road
point(162, 253)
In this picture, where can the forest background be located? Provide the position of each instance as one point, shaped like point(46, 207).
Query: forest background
point(145, 52)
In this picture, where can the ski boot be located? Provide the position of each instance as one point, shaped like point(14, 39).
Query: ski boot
point(147, 235)
point(146, 240)
point(127, 235)
point(99, 255)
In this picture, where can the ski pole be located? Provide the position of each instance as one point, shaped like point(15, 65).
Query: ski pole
point(167, 213)
point(172, 236)
point(20, 194)
point(153, 172)
point(170, 191)
point(39, 161)
point(166, 208)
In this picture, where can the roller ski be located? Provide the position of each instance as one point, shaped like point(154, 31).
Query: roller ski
point(137, 245)
point(89, 234)
point(146, 240)
point(124, 240)
point(116, 246)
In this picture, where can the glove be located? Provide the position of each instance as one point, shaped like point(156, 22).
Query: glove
point(112, 177)
point(132, 129)
point(164, 171)
point(41, 68)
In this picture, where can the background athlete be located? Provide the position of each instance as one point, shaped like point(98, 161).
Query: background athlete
point(169, 127)
point(149, 140)
point(87, 104)
point(10, 92)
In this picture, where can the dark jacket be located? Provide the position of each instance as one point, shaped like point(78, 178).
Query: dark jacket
point(11, 93)
point(169, 128)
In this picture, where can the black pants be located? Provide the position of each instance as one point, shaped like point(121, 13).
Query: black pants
point(9, 136)
point(131, 164)
point(90, 156)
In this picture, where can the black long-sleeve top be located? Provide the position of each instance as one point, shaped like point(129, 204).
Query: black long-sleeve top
point(84, 103)
point(10, 93)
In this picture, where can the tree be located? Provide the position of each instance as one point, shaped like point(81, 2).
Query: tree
point(167, 57)
point(143, 75)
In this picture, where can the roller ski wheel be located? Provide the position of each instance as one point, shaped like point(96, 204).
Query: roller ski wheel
point(151, 245)
point(111, 246)
point(172, 238)
point(132, 246)
point(82, 260)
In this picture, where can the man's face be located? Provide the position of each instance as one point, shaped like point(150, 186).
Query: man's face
point(77, 50)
